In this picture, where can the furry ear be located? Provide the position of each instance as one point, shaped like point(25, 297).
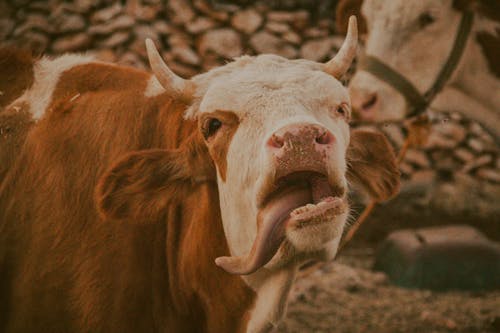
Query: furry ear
point(372, 164)
point(142, 183)
point(346, 8)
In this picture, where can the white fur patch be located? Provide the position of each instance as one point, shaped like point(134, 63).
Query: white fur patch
point(153, 87)
point(46, 76)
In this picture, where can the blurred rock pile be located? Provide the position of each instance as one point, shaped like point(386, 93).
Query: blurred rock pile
point(459, 168)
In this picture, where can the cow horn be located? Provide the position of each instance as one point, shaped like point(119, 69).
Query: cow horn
point(343, 59)
point(171, 82)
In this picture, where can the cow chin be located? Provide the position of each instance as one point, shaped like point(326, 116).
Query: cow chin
point(301, 215)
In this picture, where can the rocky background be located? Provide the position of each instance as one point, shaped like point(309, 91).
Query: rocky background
point(454, 178)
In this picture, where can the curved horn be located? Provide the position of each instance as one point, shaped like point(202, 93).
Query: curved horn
point(342, 60)
point(171, 82)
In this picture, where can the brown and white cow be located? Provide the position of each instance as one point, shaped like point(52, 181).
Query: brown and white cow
point(144, 203)
point(415, 38)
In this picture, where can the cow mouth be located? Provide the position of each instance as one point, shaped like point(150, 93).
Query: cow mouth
point(298, 201)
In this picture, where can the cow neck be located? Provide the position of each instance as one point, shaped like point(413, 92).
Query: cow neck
point(417, 102)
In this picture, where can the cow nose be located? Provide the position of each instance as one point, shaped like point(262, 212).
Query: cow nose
point(300, 135)
point(364, 104)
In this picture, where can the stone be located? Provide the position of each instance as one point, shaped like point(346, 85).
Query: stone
point(417, 157)
point(182, 70)
point(423, 178)
point(37, 42)
point(452, 131)
point(406, 169)
point(179, 39)
point(120, 23)
point(200, 24)
point(264, 42)
point(106, 14)
point(142, 13)
point(443, 161)
point(316, 50)
point(489, 174)
point(394, 133)
point(455, 257)
point(477, 162)
point(438, 141)
point(247, 21)
point(106, 55)
point(463, 154)
point(131, 59)
point(210, 61)
point(277, 27)
point(292, 37)
point(206, 9)
point(224, 42)
point(6, 26)
point(186, 55)
point(115, 39)
point(70, 23)
point(182, 13)
point(285, 16)
point(34, 22)
point(162, 27)
point(315, 32)
point(475, 144)
point(144, 31)
point(84, 6)
point(71, 43)
point(42, 6)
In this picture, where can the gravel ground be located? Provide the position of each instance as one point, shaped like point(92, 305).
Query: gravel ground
point(346, 296)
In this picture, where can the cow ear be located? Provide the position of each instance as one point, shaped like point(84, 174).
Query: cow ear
point(140, 184)
point(372, 164)
point(346, 8)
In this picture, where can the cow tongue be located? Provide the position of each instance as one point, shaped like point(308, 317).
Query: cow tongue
point(270, 233)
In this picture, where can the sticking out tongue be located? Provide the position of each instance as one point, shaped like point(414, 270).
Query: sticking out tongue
point(292, 206)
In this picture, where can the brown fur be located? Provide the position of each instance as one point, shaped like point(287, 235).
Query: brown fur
point(372, 164)
point(66, 268)
point(16, 73)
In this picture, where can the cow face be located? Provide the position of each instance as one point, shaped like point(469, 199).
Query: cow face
point(276, 133)
point(415, 39)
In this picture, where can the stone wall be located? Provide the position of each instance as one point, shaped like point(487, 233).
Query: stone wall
point(457, 173)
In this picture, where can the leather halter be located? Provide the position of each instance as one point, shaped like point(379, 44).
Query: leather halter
point(417, 102)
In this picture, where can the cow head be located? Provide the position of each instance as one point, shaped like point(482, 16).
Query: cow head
point(414, 38)
point(274, 135)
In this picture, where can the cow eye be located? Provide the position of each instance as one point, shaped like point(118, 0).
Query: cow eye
point(425, 19)
point(342, 111)
point(210, 127)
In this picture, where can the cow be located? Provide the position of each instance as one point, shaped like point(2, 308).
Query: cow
point(141, 202)
point(415, 38)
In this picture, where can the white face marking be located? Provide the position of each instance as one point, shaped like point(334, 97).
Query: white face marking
point(415, 38)
point(46, 76)
point(266, 93)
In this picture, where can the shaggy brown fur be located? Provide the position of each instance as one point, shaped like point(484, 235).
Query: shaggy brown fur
point(67, 268)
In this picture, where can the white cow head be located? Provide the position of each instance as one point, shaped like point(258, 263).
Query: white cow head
point(414, 38)
point(276, 133)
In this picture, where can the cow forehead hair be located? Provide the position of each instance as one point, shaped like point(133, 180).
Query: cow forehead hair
point(255, 80)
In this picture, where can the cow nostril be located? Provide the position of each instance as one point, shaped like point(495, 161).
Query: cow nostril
point(275, 141)
point(369, 103)
point(325, 138)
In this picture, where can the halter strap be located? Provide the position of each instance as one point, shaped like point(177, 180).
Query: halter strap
point(418, 102)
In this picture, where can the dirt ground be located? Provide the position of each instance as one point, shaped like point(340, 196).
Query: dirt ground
point(347, 296)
